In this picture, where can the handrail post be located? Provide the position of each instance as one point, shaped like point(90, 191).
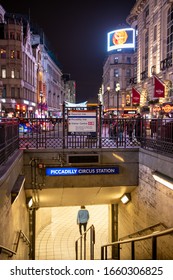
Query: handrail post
point(76, 249)
point(92, 242)
point(154, 248)
point(81, 248)
point(106, 252)
point(84, 246)
point(100, 126)
point(132, 250)
point(63, 132)
point(119, 251)
point(102, 253)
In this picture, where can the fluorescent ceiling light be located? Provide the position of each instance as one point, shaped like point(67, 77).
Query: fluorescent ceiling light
point(30, 202)
point(126, 198)
point(163, 179)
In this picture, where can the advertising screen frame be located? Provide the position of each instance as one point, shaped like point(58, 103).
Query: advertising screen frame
point(129, 41)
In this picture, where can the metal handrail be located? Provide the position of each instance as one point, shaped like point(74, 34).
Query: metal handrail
point(142, 230)
point(10, 252)
point(82, 241)
point(7, 251)
point(24, 238)
point(153, 236)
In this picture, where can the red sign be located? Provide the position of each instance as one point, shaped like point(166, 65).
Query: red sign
point(135, 96)
point(159, 88)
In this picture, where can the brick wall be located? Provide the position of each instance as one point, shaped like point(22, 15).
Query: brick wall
point(151, 203)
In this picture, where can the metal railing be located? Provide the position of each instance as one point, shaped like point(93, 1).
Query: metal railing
point(81, 244)
point(154, 244)
point(9, 138)
point(152, 134)
point(155, 135)
point(11, 252)
point(138, 232)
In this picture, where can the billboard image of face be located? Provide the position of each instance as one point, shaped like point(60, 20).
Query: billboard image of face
point(121, 39)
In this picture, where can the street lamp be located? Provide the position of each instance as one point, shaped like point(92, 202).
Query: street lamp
point(41, 98)
point(108, 91)
point(117, 89)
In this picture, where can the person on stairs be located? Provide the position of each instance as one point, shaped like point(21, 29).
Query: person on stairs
point(82, 218)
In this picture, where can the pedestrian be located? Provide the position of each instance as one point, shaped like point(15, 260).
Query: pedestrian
point(130, 127)
point(138, 124)
point(153, 125)
point(82, 218)
point(120, 130)
point(114, 130)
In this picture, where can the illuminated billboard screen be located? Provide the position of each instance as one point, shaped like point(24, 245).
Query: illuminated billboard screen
point(121, 39)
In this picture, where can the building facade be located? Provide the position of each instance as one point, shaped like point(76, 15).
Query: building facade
point(118, 69)
point(145, 77)
point(31, 76)
point(153, 21)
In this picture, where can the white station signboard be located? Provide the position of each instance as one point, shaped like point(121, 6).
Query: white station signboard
point(82, 122)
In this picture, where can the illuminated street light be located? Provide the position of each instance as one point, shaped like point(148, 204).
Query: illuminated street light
point(108, 90)
point(41, 97)
point(117, 89)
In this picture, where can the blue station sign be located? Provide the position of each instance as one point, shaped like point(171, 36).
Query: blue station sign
point(73, 171)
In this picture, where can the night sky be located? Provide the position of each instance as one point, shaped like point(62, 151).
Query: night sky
point(78, 35)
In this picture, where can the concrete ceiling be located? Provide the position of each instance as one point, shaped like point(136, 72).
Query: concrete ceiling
point(54, 197)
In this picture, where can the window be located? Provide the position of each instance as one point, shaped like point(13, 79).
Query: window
point(146, 51)
point(4, 92)
point(128, 100)
point(116, 73)
point(155, 3)
point(18, 54)
point(12, 54)
point(155, 33)
point(12, 74)
point(129, 60)
point(116, 60)
point(18, 92)
point(12, 92)
point(128, 72)
point(146, 12)
point(12, 35)
point(3, 53)
point(17, 74)
point(18, 36)
point(169, 31)
point(3, 73)
point(155, 18)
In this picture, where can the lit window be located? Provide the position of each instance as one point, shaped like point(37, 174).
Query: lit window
point(12, 54)
point(116, 60)
point(12, 73)
point(116, 73)
point(3, 53)
point(4, 73)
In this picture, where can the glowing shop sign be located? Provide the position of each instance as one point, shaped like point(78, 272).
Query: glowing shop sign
point(72, 171)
